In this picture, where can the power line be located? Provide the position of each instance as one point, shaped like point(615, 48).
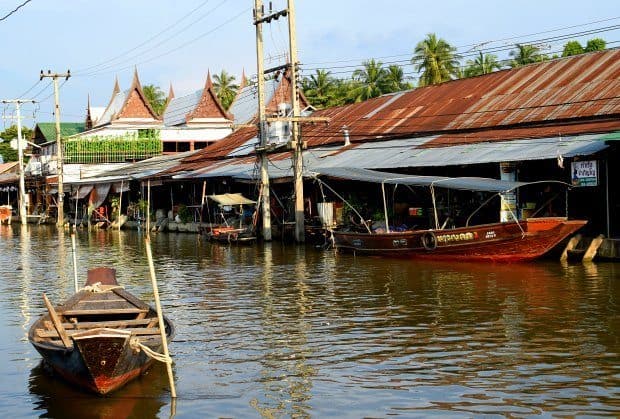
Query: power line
point(14, 10)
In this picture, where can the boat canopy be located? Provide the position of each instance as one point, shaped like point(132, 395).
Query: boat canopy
point(462, 183)
point(231, 199)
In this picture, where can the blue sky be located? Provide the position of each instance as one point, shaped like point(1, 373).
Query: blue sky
point(179, 41)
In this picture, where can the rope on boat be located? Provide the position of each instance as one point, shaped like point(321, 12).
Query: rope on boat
point(135, 344)
point(96, 287)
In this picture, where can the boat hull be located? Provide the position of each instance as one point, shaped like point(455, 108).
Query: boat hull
point(96, 339)
point(500, 242)
point(99, 364)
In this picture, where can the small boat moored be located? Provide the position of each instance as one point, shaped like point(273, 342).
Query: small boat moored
point(100, 338)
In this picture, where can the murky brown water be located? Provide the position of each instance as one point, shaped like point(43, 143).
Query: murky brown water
point(292, 331)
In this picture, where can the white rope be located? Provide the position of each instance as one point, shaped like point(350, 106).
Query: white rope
point(135, 344)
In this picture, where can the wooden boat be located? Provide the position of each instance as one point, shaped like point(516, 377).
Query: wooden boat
point(5, 213)
point(229, 234)
point(509, 241)
point(499, 242)
point(99, 338)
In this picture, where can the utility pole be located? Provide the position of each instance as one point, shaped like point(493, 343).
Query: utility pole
point(262, 131)
point(295, 140)
point(59, 152)
point(20, 153)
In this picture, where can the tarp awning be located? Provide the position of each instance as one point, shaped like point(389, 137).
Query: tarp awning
point(463, 183)
point(231, 199)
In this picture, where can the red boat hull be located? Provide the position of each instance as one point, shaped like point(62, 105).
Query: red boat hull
point(499, 242)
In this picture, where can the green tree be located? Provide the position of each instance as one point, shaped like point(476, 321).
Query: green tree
point(371, 81)
point(156, 97)
point(482, 64)
point(595, 44)
point(225, 88)
point(319, 88)
point(395, 79)
point(9, 154)
point(436, 59)
point(526, 54)
point(572, 48)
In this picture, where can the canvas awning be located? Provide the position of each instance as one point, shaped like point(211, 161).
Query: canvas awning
point(462, 183)
point(231, 199)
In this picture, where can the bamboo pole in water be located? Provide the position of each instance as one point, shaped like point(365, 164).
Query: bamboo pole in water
point(120, 205)
point(148, 207)
point(160, 317)
point(75, 275)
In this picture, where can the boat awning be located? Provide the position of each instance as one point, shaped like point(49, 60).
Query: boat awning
point(413, 152)
point(462, 183)
point(231, 199)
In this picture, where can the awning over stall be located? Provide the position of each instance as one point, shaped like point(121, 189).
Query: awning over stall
point(231, 199)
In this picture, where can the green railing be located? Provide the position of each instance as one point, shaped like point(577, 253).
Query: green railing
point(113, 149)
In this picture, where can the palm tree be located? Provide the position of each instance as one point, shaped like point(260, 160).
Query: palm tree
point(225, 88)
point(437, 60)
point(371, 79)
point(319, 88)
point(483, 64)
point(526, 54)
point(156, 97)
point(395, 79)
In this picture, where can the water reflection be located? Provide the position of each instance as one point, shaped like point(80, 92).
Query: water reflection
point(143, 397)
point(292, 331)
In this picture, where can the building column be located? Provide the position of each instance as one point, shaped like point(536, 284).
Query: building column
point(509, 204)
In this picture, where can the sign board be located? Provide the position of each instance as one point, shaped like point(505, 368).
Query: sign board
point(584, 173)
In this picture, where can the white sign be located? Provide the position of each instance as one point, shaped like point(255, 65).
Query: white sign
point(584, 173)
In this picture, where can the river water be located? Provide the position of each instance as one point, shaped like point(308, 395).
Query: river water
point(290, 331)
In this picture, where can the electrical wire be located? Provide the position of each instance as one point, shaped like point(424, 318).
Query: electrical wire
point(14, 10)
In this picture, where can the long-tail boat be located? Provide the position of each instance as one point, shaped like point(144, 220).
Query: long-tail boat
point(101, 337)
point(511, 241)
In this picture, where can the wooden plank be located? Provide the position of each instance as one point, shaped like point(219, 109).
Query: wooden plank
point(57, 323)
point(43, 333)
point(86, 312)
point(109, 323)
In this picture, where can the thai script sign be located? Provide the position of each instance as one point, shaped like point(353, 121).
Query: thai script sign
point(584, 173)
point(445, 238)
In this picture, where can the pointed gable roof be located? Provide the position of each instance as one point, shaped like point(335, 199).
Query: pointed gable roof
point(130, 104)
point(245, 106)
point(93, 114)
point(209, 105)
point(201, 106)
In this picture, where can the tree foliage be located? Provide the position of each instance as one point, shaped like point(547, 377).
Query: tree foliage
point(436, 59)
point(371, 80)
point(595, 44)
point(572, 48)
point(483, 64)
point(156, 98)
point(526, 54)
point(320, 88)
point(9, 154)
point(225, 88)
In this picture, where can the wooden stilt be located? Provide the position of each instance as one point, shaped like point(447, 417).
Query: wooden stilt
point(572, 243)
point(593, 248)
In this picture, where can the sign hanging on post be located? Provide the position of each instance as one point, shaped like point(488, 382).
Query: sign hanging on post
point(584, 173)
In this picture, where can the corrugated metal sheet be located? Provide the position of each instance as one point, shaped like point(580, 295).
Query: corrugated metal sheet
point(244, 108)
point(407, 153)
point(115, 106)
point(178, 108)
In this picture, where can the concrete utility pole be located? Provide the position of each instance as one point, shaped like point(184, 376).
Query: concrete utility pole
point(59, 152)
point(295, 140)
point(20, 153)
point(262, 131)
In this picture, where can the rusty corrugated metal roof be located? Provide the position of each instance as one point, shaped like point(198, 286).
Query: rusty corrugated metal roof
point(567, 96)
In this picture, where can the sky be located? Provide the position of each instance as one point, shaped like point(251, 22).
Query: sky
point(177, 42)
